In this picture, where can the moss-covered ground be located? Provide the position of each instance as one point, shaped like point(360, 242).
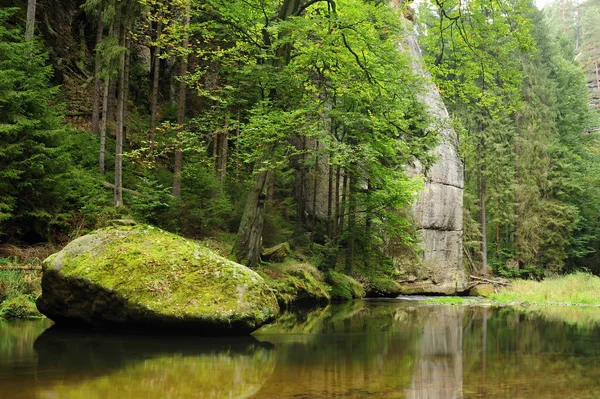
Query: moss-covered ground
point(18, 291)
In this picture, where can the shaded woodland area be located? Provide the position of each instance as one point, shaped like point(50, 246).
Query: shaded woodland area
point(225, 119)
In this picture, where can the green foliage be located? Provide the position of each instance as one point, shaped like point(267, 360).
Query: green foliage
point(31, 162)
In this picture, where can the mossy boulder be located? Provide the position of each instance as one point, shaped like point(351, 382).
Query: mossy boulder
point(299, 283)
point(343, 287)
point(140, 277)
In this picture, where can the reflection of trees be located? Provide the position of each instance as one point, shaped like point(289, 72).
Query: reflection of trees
point(88, 365)
point(357, 349)
point(531, 353)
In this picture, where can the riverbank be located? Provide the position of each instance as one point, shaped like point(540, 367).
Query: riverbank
point(578, 289)
point(293, 281)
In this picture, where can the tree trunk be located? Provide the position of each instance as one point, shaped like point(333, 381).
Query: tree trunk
point(483, 215)
point(30, 26)
point(351, 224)
point(299, 188)
point(247, 247)
point(336, 220)
point(344, 201)
point(155, 80)
point(221, 152)
point(314, 193)
point(103, 127)
point(181, 108)
point(118, 193)
point(126, 80)
point(330, 201)
point(96, 99)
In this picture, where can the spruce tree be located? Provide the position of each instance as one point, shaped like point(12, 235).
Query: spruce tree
point(31, 162)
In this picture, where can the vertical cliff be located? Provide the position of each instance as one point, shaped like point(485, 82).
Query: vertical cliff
point(439, 209)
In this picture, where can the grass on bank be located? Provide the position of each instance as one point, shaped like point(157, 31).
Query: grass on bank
point(576, 288)
point(18, 291)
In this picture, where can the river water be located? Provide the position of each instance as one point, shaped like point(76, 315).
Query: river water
point(361, 349)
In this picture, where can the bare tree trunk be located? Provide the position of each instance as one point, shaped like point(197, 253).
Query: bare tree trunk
point(351, 223)
point(336, 220)
point(221, 152)
point(483, 215)
point(299, 188)
point(155, 80)
point(344, 202)
point(126, 81)
point(314, 193)
point(96, 100)
point(118, 193)
point(330, 202)
point(30, 27)
point(181, 108)
point(247, 247)
point(103, 127)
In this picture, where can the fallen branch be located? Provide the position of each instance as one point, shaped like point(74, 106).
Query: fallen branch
point(125, 190)
point(20, 268)
point(489, 281)
point(470, 260)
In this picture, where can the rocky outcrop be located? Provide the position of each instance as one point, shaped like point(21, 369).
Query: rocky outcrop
point(439, 209)
point(141, 277)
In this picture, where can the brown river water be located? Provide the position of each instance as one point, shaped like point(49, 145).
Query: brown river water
point(361, 349)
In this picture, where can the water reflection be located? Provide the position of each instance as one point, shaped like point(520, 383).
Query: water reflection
point(79, 364)
point(363, 349)
point(439, 368)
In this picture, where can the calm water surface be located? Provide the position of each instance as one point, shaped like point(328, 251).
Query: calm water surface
point(363, 349)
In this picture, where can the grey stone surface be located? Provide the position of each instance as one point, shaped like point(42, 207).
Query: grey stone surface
point(439, 209)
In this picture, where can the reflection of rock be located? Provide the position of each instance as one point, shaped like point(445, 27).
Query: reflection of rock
point(92, 365)
point(144, 278)
point(439, 369)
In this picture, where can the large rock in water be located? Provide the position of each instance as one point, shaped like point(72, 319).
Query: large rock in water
point(144, 278)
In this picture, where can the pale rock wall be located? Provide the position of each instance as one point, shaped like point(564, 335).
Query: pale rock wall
point(439, 210)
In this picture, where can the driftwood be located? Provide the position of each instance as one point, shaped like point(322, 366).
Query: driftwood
point(125, 190)
point(489, 281)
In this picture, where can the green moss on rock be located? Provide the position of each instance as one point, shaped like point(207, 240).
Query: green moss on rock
point(343, 287)
point(296, 283)
point(141, 276)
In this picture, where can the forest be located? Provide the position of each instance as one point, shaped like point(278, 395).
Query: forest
point(249, 124)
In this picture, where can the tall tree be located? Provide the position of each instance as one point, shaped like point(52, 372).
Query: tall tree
point(181, 101)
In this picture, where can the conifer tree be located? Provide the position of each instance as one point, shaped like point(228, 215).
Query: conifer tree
point(31, 162)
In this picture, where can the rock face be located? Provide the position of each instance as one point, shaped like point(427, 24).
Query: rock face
point(439, 210)
point(144, 278)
